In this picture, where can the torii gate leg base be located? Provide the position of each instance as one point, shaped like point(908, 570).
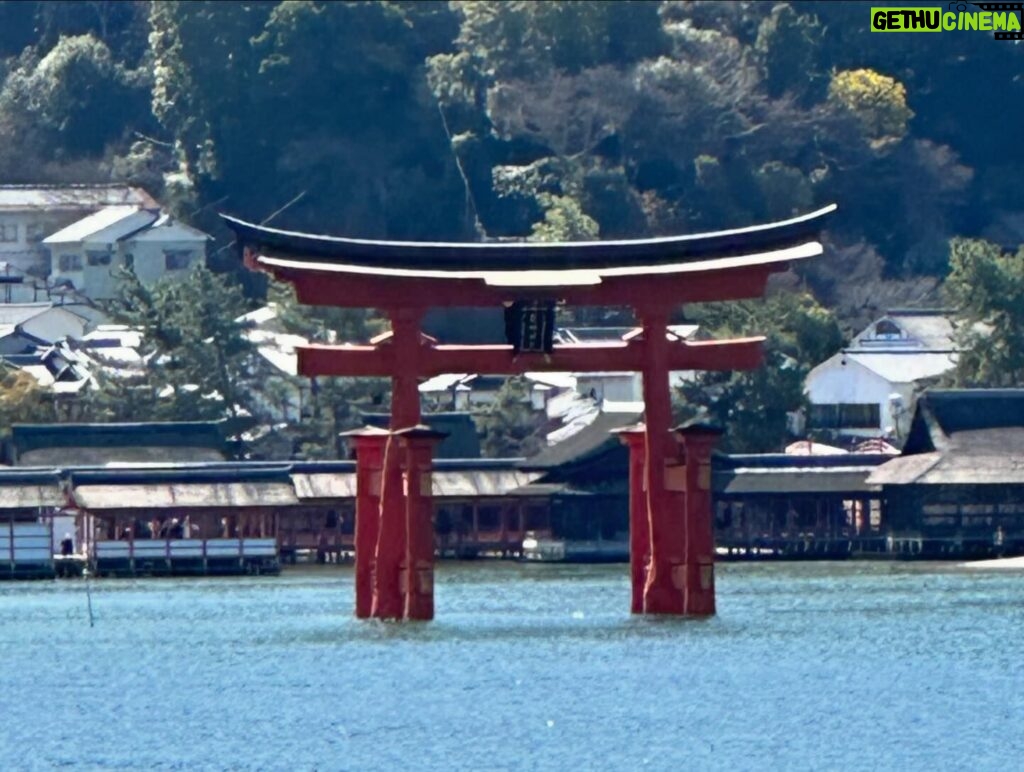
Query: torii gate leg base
point(418, 568)
point(678, 577)
point(666, 586)
point(696, 443)
point(369, 447)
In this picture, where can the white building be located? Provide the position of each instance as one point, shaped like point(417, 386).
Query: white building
point(868, 389)
point(285, 395)
point(465, 391)
point(43, 322)
point(88, 253)
point(29, 213)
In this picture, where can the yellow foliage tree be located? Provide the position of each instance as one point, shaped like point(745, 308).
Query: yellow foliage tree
point(23, 400)
point(877, 102)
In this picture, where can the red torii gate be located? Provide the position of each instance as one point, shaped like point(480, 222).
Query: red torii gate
point(671, 542)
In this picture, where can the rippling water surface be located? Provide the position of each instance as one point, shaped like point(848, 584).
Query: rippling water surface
point(807, 666)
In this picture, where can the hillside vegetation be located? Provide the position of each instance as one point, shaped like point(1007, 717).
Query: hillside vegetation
point(544, 120)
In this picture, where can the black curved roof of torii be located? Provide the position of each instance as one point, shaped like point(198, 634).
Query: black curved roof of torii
point(517, 256)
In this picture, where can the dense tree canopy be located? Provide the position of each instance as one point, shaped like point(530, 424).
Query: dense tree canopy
point(986, 285)
point(566, 119)
point(199, 363)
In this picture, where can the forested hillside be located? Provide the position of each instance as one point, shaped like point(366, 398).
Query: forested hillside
point(545, 120)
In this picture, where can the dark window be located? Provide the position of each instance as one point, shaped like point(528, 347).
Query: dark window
point(98, 257)
point(8, 232)
point(70, 263)
point(34, 233)
point(129, 260)
point(887, 329)
point(177, 259)
point(537, 518)
point(846, 415)
point(489, 518)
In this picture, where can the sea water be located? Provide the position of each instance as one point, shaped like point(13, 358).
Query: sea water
point(806, 666)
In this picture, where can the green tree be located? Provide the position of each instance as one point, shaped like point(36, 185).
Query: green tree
point(564, 220)
point(74, 103)
point(120, 24)
point(985, 286)
point(336, 404)
point(789, 45)
point(195, 349)
point(120, 396)
point(518, 38)
point(754, 406)
point(330, 99)
point(203, 67)
point(510, 427)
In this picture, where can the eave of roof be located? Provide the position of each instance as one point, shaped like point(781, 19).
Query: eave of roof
point(771, 242)
point(560, 277)
point(839, 480)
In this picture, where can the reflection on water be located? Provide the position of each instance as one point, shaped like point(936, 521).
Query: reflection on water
point(807, 666)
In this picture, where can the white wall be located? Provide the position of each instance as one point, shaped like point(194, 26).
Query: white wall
point(832, 382)
point(149, 260)
point(614, 387)
point(27, 253)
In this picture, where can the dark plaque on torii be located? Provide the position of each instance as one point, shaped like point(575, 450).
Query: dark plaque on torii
point(530, 326)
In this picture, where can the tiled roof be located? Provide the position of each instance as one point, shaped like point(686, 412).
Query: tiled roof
point(112, 222)
point(904, 366)
point(962, 437)
point(593, 439)
point(22, 197)
point(924, 330)
point(18, 313)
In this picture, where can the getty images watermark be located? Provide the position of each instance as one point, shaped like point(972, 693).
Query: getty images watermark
point(1002, 19)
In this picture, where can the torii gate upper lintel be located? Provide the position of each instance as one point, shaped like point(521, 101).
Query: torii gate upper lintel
point(671, 544)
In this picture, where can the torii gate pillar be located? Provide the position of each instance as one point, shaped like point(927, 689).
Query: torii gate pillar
point(664, 581)
point(696, 442)
point(639, 526)
point(394, 540)
point(369, 446)
point(416, 578)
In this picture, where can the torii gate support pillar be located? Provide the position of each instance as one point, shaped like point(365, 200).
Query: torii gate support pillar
point(416, 578)
point(639, 526)
point(696, 442)
point(369, 446)
point(664, 581)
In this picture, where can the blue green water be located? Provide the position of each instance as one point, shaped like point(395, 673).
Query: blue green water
point(807, 666)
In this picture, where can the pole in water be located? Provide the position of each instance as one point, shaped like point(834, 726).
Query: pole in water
point(88, 596)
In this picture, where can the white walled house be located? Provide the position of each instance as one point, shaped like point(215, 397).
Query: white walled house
point(29, 213)
point(87, 254)
point(167, 246)
point(868, 389)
